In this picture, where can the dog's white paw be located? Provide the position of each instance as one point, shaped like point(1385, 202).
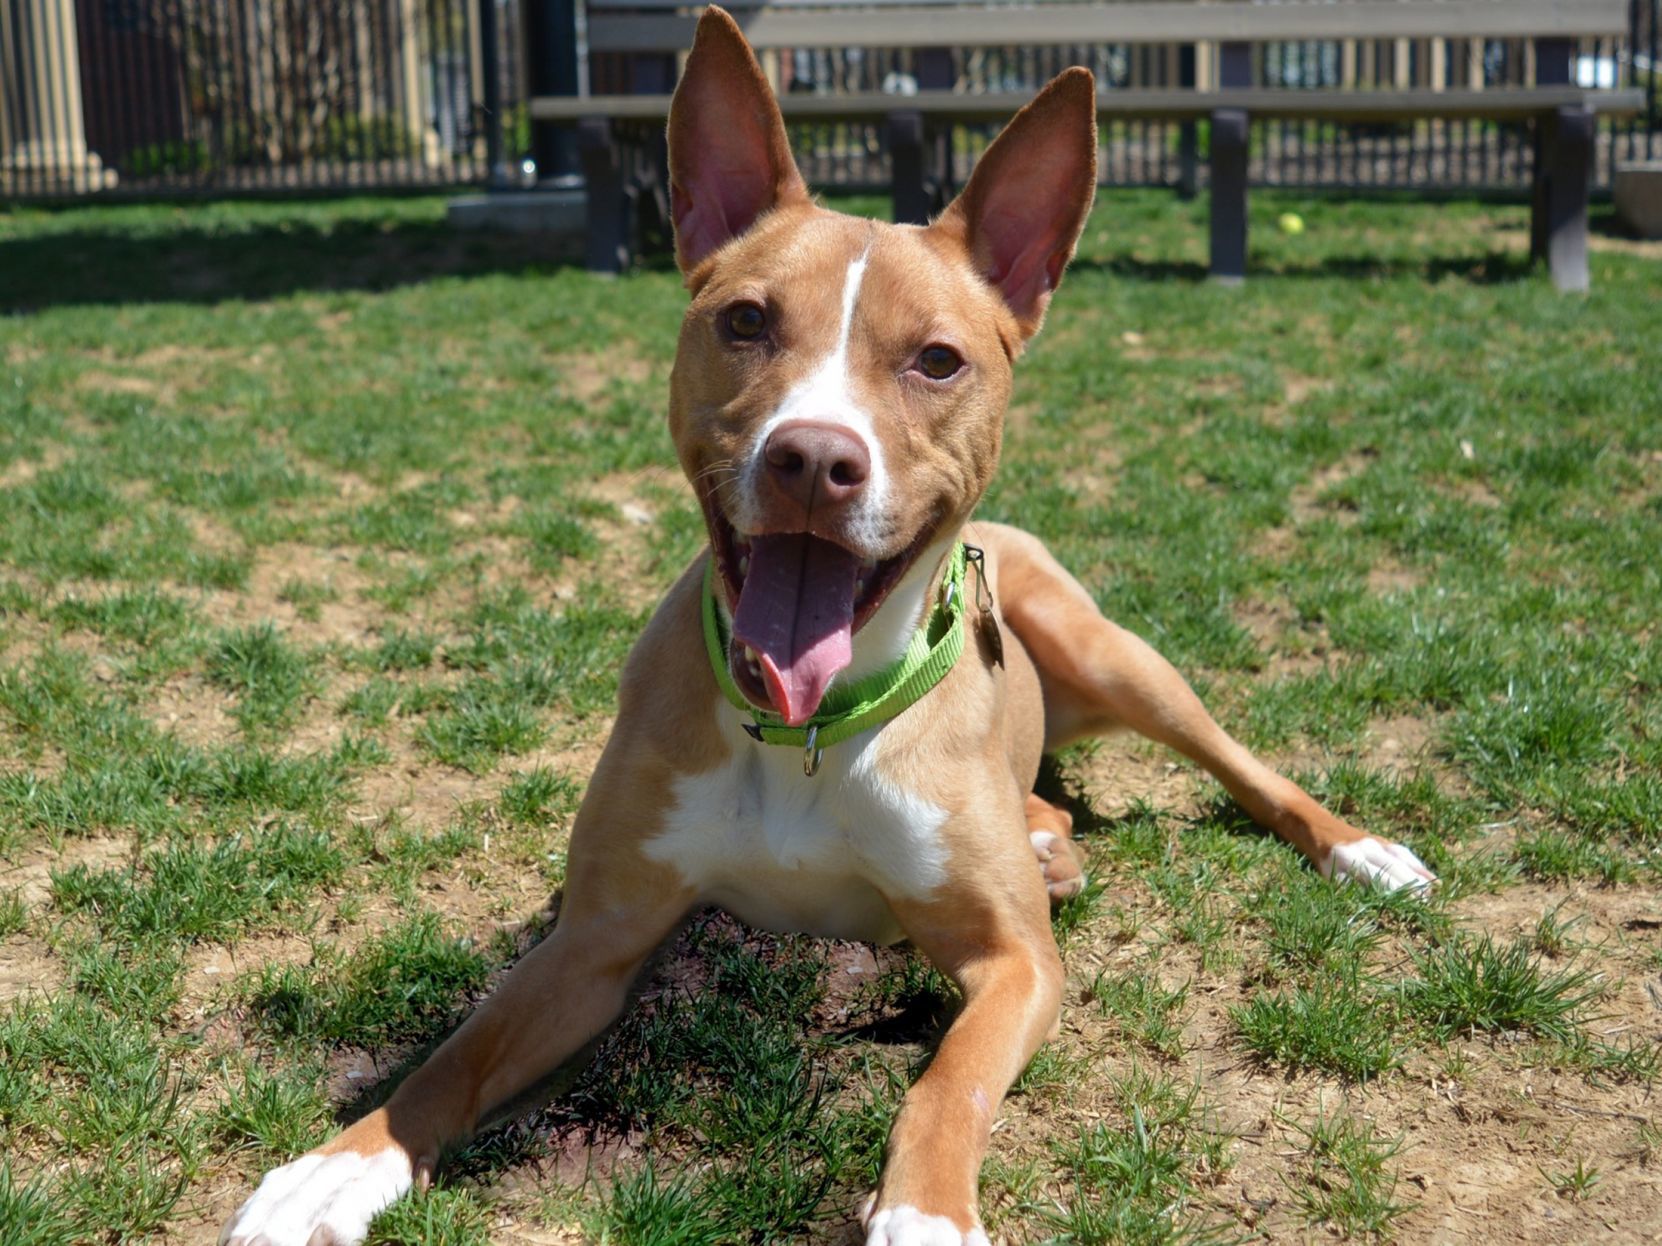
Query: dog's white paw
point(1379, 863)
point(907, 1226)
point(320, 1200)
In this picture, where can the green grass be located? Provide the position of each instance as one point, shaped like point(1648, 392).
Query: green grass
point(1479, 985)
point(1348, 1184)
point(404, 984)
point(1330, 1026)
point(327, 531)
point(1136, 1180)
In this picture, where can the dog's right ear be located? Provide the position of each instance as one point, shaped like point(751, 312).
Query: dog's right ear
point(729, 160)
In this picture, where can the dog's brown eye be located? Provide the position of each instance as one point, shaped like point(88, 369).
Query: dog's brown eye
point(746, 321)
point(938, 362)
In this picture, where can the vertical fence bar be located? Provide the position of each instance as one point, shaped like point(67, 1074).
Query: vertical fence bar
point(490, 35)
point(550, 32)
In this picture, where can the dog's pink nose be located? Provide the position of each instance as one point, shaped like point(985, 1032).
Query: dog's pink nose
point(815, 463)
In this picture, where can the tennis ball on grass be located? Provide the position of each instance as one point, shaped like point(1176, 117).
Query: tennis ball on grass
point(1292, 224)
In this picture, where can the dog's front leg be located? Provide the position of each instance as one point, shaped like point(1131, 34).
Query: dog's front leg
point(618, 907)
point(992, 936)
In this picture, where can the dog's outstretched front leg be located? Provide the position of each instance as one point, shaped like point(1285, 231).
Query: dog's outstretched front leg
point(618, 908)
point(1097, 676)
point(994, 940)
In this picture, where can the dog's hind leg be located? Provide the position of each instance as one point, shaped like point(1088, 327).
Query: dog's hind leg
point(1051, 830)
point(1097, 677)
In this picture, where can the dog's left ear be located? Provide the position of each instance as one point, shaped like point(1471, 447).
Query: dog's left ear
point(1020, 216)
point(729, 159)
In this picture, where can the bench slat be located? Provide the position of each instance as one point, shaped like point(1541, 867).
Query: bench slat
point(1173, 104)
point(921, 26)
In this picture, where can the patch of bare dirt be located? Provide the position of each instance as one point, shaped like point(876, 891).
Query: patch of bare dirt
point(31, 872)
point(1135, 347)
point(1389, 576)
point(22, 471)
point(94, 381)
point(191, 708)
point(1296, 387)
point(1305, 501)
point(211, 967)
point(418, 792)
point(1401, 743)
point(1225, 385)
point(1477, 492)
point(1124, 770)
point(344, 614)
point(1289, 648)
point(27, 967)
point(586, 377)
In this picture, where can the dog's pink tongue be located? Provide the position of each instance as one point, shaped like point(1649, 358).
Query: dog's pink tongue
point(796, 610)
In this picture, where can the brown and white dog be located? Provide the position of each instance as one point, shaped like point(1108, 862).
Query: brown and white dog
point(837, 403)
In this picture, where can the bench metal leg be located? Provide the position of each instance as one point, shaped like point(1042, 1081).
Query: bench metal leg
point(608, 226)
point(648, 194)
point(1229, 195)
point(1558, 226)
point(909, 164)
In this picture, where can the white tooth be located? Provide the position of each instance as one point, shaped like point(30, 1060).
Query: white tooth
point(744, 564)
point(859, 589)
point(869, 564)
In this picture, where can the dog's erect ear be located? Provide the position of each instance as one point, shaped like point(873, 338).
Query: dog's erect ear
point(1028, 197)
point(729, 161)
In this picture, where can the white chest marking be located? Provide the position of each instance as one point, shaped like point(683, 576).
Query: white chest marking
point(786, 852)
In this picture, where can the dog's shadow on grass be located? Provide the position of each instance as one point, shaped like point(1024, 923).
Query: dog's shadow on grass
point(1092, 825)
point(1490, 268)
point(261, 258)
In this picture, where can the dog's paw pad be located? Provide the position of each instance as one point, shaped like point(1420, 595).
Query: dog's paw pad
point(1060, 863)
point(1379, 863)
point(320, 1200)
point(907, 1226)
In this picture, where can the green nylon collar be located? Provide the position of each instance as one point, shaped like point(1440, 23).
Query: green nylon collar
point(849, 709)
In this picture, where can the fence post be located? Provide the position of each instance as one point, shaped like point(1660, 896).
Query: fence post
point(1231, 135)
point(550, 33)
point(1552, 68)
point(909, 172)
point(40, 102)
point(497, 174)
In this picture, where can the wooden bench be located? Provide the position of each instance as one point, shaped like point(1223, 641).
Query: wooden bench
point(641, 42)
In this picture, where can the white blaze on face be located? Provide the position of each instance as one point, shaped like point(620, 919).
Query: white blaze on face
point(827, 395)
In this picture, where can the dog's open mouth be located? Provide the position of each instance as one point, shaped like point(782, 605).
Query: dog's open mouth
point(797, 600)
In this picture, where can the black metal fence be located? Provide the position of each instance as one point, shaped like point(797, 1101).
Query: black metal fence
point(124, 98)
point(165, 97)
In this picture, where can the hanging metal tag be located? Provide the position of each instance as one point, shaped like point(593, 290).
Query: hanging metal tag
point(811, 754)
point(987, 625)
point(991, 636)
